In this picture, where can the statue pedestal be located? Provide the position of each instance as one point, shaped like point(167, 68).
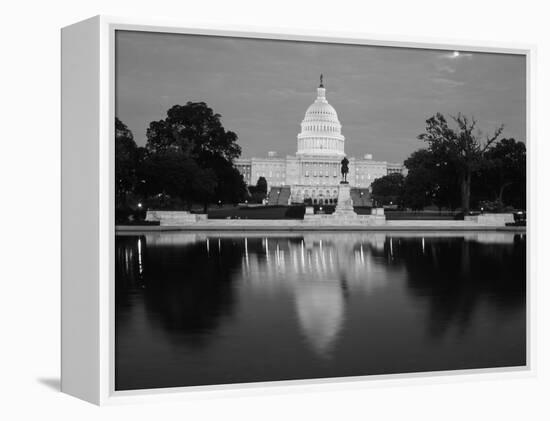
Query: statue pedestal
point(344, 206)
point(344, 214)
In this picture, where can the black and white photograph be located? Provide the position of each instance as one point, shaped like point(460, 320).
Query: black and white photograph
point(272, 211)
point(291, 210)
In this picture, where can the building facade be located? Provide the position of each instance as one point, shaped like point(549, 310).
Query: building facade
point(314, 171)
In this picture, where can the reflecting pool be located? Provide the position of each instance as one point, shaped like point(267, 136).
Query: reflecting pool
point(214, 308)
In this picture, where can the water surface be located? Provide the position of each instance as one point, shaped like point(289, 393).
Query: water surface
point(215, 308)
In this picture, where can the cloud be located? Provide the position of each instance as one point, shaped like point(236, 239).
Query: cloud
point(447, 82)
point(441, 67)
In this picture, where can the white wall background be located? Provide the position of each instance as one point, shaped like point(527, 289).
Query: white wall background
point(29, 208)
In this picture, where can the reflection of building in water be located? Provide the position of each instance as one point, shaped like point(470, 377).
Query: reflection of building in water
point(314, 172)
point(320, 311)
point(318, 270)
point(318, 257)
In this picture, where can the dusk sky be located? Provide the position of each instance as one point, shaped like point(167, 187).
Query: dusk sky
point(262, 89)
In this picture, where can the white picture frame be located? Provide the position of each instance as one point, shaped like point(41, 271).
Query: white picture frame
point(88, 229)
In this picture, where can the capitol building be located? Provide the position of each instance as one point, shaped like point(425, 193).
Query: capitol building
point(313, 173)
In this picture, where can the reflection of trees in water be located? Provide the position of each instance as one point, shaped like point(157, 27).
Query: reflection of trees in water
point(456, 274)
point(185, 281)
point(185, 287)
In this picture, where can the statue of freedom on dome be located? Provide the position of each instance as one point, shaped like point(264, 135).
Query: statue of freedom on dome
point(345, 170)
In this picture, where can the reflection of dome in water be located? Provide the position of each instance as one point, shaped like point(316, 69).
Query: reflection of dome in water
point(320, 309)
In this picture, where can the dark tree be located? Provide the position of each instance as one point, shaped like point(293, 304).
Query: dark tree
point(388, 189)
point(195, 133)
point(126, 160)
point(419, 185)
point(195, 130)
point(231, 187)
point(463, 148)
point(261, 184)
point(168, 175)
point(505, 173)
point(431, 180)
point(169, 179)
point(259, 191)
point(204, 187)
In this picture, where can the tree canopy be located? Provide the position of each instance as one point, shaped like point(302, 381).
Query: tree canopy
point(195, 130)
point(388, 190)
point(463, 147)
point(258, 192)
point(503, 178)
point(458, 168)
point(126, 161)
point(188, 158)
point(431, 180)
point(195, 135)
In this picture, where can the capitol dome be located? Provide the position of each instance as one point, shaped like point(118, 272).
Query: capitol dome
point(321, 129)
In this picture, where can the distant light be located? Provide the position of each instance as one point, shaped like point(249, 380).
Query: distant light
point(456, 53)
point(139, 205)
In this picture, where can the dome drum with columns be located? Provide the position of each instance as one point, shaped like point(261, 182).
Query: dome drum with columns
point(313, 174)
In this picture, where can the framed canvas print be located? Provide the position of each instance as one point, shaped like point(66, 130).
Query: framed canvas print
point(248, 209)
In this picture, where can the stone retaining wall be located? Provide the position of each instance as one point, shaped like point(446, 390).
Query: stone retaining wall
point(497, 219)
point(344, 219)
point(196, 221)
point(174, 218)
